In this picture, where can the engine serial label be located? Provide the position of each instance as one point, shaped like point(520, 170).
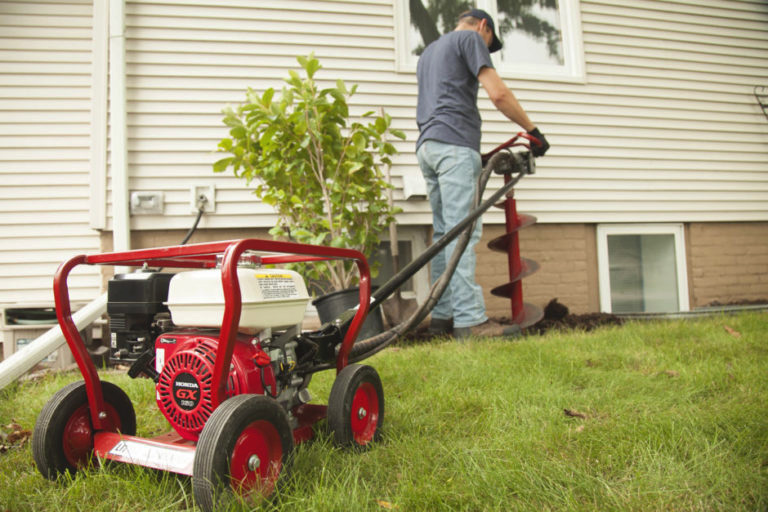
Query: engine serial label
point(277, 286)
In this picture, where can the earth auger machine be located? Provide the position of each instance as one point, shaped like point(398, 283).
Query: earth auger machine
point(230, 362)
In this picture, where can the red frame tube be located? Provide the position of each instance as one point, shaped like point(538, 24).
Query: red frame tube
point(204, 256)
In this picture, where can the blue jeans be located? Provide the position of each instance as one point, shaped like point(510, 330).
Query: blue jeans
point(451, 174)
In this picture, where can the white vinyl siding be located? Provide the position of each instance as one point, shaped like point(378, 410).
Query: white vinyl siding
point(187, 60)
point(45, 101)
point(664, 129)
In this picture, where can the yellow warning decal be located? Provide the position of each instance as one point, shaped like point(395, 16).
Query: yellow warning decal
point(277, 286)
point(271, 276)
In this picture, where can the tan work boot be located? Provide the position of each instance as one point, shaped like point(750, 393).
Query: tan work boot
point(487, 329)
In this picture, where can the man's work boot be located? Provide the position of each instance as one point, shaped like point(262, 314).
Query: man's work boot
point(487, 329)
point(440, 326)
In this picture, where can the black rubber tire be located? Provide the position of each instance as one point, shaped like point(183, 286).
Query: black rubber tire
point(348, 431)
point(215, 458)
point(48, 438)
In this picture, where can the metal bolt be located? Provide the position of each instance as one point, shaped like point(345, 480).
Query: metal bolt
point(253, 463)
point(361, 413)
point(102, 415)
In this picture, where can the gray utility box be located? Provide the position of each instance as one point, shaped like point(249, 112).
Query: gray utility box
point(22, 324)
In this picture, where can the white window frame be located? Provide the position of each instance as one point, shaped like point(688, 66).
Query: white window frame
point(417, 236)
point(573, 69)
point(604, 278)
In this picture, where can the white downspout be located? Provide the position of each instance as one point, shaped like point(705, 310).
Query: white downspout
point(121, 222)
point(99, 114)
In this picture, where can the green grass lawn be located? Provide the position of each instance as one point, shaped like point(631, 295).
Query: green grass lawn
point(669, 415)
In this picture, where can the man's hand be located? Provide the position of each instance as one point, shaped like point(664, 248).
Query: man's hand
point(538, 149)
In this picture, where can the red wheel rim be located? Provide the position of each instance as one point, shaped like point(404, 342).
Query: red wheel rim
point(257, 459)
point(77, 437)
point(364, 416)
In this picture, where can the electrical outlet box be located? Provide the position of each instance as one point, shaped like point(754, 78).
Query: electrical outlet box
point(147, 203)
point(203, 196)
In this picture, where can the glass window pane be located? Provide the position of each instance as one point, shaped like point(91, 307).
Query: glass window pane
point(429, 19)
point(541, 38)
point(643, 274)
point(531, 32)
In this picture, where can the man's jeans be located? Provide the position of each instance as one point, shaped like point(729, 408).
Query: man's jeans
point(451, 174)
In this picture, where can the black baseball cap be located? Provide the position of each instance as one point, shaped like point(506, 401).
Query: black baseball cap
point(482, 15)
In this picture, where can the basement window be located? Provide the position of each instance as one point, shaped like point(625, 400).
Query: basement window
point(386, 266)
point(412, 242)
point(641, 268)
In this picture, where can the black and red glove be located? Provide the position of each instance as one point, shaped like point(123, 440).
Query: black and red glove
point(542, 147)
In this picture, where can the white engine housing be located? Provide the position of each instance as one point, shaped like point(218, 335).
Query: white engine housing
point(271, 298)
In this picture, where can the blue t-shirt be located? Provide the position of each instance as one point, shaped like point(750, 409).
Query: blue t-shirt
point(447, 74)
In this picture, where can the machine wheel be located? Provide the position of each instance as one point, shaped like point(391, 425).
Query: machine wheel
point(356, 406)
point(62, 441)
point(242, 451)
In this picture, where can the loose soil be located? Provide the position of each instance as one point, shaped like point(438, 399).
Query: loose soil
point(556, 316)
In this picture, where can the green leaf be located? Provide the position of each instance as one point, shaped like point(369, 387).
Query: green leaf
point(314, 67)
point(222, 165)
point(341, 86)
point(266, 99)
point(381, 125)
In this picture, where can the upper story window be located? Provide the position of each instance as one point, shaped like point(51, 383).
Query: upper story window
point(542, 38)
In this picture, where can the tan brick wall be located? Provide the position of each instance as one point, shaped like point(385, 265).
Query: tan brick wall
point(568, 259)
point(163, 238)
point(727, 262)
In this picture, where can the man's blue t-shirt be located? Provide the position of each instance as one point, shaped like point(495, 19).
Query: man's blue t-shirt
point(447, 74)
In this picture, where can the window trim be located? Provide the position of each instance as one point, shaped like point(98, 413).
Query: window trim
point(419, 238)
point(603, 266)
point(573, 47)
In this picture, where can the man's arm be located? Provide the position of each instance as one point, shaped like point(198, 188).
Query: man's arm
point(508, 105)
point(503, 98)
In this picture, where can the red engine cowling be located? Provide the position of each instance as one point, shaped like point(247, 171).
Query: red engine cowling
point(185, 361)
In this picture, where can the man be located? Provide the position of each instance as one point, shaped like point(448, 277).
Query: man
point(448, 151)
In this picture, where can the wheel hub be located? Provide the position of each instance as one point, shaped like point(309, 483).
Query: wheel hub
point(254, 462)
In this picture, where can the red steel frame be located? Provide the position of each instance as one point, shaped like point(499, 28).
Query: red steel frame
point(204, 256)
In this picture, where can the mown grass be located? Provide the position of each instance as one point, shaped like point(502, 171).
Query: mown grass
point(675, 417)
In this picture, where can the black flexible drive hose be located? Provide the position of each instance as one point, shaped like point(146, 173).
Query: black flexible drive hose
point(370, 346)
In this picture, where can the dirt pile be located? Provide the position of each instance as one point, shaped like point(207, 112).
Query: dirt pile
point(557, 316)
